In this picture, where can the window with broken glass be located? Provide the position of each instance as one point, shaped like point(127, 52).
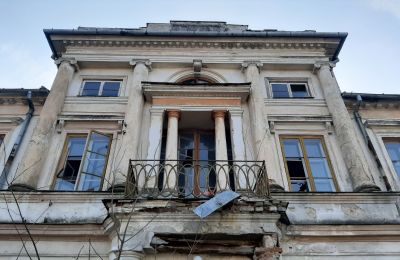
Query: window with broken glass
point(83, 163)
point(307, 164)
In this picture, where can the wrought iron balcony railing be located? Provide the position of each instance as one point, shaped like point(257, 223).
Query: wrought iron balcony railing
point(195, 179)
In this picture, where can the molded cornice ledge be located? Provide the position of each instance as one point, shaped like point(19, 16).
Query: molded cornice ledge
point(73, 62)
point(147, 63)
point(246, 64)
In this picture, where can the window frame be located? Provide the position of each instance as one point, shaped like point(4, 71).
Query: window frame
point(288, 87)
point(64, 154)
point(308, 172)
point(102, 82)
point(2, 138)
point(387, 140)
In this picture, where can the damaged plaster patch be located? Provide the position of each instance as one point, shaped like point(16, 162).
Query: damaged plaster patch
point(311, 213)
point(352, 210)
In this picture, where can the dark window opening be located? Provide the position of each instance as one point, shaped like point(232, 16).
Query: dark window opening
point(299, 90)
point(195, 81)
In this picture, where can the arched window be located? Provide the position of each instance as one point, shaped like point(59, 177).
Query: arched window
point(196, 81)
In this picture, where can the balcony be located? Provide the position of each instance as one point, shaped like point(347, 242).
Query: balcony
point(198, 179)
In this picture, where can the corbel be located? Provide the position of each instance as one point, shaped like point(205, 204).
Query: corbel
point(197, 66)
point(329, 127)
point(60, 125)
point(121, 126)
point(271, 127)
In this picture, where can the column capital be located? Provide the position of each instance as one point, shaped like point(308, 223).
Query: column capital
point(236, 112)
point(145, 62)
point(248, 63)
point(71, 61)
point(219, 113)
point(173, 113)
point(156, 111)
point(319, 64)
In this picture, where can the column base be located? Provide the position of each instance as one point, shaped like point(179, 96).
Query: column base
point(20, 187)
point(274, 187)
point(367, 187)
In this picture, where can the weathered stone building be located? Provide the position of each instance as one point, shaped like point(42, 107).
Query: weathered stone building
point(142, 126)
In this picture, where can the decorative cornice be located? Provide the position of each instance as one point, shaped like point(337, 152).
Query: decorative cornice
point(272, 44)
point(161, 90)
point(147, 63)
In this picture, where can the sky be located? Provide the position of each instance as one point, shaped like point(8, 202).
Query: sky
point(368, 60)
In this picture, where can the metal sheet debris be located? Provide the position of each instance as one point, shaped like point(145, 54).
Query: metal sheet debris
point(220, 200)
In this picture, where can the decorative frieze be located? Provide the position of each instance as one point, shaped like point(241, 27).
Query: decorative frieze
point(265, 44)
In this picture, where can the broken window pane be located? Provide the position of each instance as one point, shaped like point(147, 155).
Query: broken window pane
point(67, 176)
point(299, 185)
point(296, 169)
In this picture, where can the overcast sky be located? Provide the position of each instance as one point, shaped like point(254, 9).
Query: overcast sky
point(369, 61)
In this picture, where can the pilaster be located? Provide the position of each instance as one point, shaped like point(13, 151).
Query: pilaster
point(350, 147)
point(28, 174)
point(263, 141)
point(133, 120)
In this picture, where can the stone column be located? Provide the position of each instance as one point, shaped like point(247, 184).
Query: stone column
point(154, 150)
point(171, 153)
point(221, 151)
point(263, 140)
point(133, 120)
point(28, 173)
point(238, 149)
point(350, 147)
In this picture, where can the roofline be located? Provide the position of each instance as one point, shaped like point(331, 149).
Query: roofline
point(22, 92)
point(251, 34)
point(370, 97)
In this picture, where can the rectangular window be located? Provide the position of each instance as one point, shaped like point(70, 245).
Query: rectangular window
point(307, 164)
point(94, 88)
point(393, 148)
point(289, 90)
point(83, 163)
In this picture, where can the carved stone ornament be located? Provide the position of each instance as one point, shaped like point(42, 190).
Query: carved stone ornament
point(319, 64)
point(72, 61)
point(246, 64)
